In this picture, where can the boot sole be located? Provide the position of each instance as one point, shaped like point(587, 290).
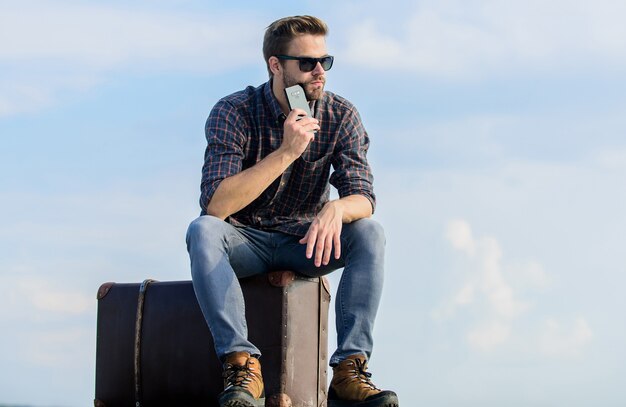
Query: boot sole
point(240, 403)
point(374, 404)
point(244, 403)
point(240, 399)
point(388, 400)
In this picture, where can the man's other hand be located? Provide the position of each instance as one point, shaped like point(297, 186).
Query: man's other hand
point(324, 234)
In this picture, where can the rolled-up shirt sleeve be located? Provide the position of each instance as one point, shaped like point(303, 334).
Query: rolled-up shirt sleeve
point(225, 134)
point(352, 173)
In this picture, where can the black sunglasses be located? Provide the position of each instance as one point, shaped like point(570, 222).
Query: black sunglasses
point(308, 64)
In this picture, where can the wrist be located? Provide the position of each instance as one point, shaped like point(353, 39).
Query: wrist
point(286, 155)
point(351, 208)
point(337, 205)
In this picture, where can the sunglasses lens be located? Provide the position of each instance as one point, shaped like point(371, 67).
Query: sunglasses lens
point(327, 62)
point(309, 64)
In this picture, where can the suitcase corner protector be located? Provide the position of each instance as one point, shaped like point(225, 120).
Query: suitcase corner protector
point(326, 285)
point(102, 292)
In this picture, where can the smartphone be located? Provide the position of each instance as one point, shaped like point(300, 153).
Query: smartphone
point(297, 99)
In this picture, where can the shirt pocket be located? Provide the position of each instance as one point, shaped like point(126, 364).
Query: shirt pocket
point(310, 169)
point(308, 183)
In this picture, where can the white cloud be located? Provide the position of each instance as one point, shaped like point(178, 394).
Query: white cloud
point(108, 37)
point(486, 289)
point(459, 234)
point(530, 274)
point(611, 160)
point(25, 294)
point(466, 295)
point(486, 280)
point(50, 348)
point(456, 39)
point(492, 292)
point(45, 295)
point(61, 47)
point(561, 341)
point(498, 291)
point(124, 242)
point(489, 336)
point(31, 91)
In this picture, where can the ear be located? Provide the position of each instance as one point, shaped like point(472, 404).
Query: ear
point(275, 65)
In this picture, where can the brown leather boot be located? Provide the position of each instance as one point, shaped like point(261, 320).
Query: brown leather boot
point(352, 387)
point(243, 381)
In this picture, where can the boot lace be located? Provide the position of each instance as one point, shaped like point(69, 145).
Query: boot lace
point(239, 376)
point(361, 373)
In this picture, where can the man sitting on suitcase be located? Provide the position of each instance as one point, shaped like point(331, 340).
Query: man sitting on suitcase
point(265, 206)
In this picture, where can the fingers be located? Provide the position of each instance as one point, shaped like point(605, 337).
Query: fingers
point(324, 248)
point(297, 115)
point(298, 133)
point(305, 238)
point(299, 118)
point(311, 238)
point(337, 240)
point(320, 248)
point(321, 242)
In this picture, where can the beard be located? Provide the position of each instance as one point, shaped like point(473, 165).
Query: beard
point(312, 92)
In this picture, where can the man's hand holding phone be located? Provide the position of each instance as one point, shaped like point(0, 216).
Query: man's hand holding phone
point(298, 132)
point(300, 126)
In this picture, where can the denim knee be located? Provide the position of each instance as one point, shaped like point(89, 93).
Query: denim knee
point(205, 228)
point(367, 234)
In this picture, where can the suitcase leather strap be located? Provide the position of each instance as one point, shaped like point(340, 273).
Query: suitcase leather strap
point(319, 340)
point(322, 342)
point(138, 324)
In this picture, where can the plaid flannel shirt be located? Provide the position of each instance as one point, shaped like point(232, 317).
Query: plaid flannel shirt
point(246, 126)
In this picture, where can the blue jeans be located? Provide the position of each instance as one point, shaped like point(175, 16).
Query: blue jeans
point(221, 253)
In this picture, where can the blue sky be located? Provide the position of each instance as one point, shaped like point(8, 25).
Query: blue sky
point(499, 156)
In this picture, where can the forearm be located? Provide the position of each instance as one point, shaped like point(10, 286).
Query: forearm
point(238, 191)
point(353, 207)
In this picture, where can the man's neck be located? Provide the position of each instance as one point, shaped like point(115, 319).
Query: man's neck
point(279, 94)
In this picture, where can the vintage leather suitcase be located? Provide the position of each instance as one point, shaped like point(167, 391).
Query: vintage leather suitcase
point(153, 347)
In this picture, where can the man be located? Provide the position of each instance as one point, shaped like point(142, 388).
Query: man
point(265, 206)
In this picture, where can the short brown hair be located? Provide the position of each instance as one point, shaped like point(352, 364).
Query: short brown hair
point(279, 34)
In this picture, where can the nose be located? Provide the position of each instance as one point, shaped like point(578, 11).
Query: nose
point(318, 70)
